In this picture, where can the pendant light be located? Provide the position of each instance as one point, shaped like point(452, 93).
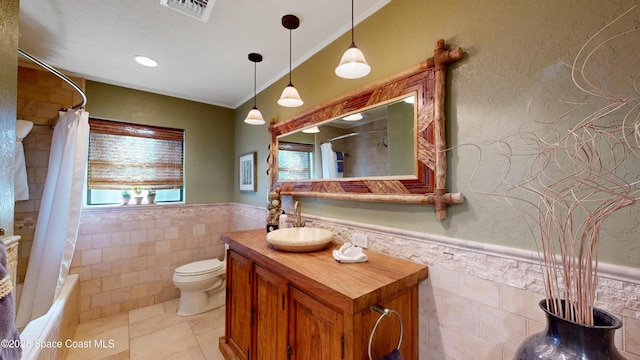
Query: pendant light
point(353, 65)
point(290, 96)
point(254, 117)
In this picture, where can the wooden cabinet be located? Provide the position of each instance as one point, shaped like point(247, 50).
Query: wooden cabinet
point(308, 306)
point(239, 319)
point(315, 330)
point(270, 311)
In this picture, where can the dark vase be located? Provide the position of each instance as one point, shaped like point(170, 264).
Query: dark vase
point(564, 339)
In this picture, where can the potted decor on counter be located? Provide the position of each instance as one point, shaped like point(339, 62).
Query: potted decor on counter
point(138, 195)
point(126, 196)
point(566, 179)
point(151, 196)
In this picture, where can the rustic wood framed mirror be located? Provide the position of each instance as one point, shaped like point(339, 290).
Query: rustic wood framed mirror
point(396, 149)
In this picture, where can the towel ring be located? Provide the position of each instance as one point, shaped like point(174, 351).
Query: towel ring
point(384, 313)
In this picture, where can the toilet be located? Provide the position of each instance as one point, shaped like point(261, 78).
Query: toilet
point(202, 286)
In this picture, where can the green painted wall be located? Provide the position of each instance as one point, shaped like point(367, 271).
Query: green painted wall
point(8, 103)
point(209, 134)
point(513, 74)
point(400, 135)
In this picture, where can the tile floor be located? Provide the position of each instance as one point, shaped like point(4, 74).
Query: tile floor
point(152, 332)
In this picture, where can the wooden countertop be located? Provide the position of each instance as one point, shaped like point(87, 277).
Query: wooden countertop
point(348, 287)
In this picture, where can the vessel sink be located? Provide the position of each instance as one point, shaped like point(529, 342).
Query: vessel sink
point(299, 239)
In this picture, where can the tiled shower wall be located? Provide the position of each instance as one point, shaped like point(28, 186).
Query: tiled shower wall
point(40, 96)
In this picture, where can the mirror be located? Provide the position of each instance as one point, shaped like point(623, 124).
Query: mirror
point(395, 154)
point(374, 142)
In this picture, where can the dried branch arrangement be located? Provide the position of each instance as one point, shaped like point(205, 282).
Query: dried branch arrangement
point(581, 168)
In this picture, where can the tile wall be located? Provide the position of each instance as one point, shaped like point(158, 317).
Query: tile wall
point(40, 96)
point(126, 256)
point(481, 301)
point(367, 156)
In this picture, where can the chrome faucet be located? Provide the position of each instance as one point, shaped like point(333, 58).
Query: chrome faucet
point(297, 221)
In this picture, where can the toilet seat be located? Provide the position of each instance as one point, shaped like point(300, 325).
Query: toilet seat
point(202, 267)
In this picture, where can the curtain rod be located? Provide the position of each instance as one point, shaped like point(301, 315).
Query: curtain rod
point(58, 74)
point(353, 134)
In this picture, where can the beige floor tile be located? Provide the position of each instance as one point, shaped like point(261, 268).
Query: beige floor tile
point(145, 312)
point(171, 306)
point(114, 341)
point(153, 324)
point(210, 320)
point(119, 356)
point(209, 344)
point(90, 328)
point(194, 353)
point(163, 344)
point(153, 332)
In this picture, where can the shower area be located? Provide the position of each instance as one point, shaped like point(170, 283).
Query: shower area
point(51, 143)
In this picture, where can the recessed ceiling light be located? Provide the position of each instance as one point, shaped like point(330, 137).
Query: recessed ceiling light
point(145, 61)
point(311, 130)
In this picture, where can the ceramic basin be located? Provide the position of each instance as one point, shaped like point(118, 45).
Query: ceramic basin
point(302, 239)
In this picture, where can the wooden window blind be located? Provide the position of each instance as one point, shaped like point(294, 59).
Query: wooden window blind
point(124, 155)
point(294, 161)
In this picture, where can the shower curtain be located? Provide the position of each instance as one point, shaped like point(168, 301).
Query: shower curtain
point(329, 161)
point(59, 217)
point(21, 184)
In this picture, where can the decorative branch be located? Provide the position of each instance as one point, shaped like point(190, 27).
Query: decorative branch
point(578, 174)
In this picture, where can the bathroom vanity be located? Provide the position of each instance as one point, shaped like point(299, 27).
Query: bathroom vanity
point(283, 305)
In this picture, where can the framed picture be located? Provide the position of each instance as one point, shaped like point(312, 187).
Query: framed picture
point(247, 166)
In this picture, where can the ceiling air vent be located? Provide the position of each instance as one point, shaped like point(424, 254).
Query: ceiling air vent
point(199, 9)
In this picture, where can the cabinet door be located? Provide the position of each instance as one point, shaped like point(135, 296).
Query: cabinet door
point(315, 330)
point(270, 312)
point(239, 315)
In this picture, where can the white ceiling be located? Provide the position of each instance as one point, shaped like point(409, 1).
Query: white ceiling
point(204, 62)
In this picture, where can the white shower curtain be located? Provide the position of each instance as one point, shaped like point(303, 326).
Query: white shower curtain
point(329, 168)
point(21, 184)
point(59, 217)
point(329, 161)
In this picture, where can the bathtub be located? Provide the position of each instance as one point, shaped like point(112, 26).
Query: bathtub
point(55, 327)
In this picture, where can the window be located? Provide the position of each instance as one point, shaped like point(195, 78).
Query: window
point(125, 156)
point(295, 161)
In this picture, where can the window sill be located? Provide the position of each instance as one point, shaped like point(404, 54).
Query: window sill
point(132, 206)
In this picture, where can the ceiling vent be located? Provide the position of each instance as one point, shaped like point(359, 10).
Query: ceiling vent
point(199, 9)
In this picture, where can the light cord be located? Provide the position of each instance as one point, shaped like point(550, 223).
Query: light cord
point(352, 22)
point(290, 57)
point(254, 83)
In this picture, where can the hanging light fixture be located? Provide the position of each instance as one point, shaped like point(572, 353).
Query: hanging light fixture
point(353, 64)
point(353, 117)
point(290, 96)
point(254, 117)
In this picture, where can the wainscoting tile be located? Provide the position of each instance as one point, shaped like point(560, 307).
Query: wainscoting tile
point(632, 336)
point(462, 313)
point(502, 328)
point(446, 339)
point(484, 291)
point(474, 348)
point(521, 302)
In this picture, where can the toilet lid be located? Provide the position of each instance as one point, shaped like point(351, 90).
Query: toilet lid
point(200, 267)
